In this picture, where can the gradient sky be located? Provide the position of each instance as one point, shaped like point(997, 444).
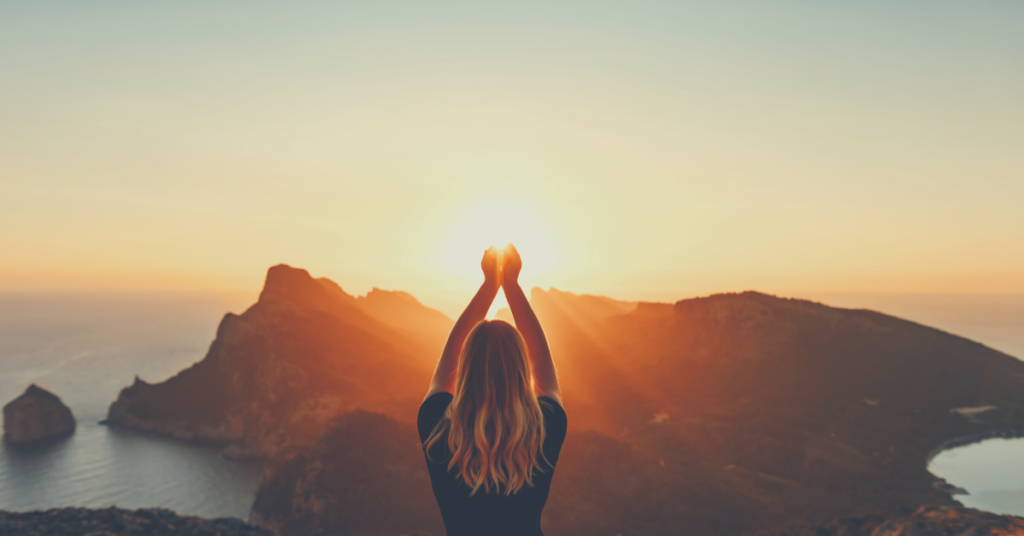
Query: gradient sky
point(633, 149)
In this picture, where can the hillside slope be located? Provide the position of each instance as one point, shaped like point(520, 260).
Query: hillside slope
point(813, 411)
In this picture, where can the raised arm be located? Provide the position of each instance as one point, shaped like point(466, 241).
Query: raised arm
point(545, 380)
point(444, 375)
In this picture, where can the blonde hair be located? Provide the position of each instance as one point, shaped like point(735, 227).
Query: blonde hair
point(494, 422)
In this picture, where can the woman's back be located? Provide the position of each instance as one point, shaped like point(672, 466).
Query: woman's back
point(467, 514)
point(492, 423)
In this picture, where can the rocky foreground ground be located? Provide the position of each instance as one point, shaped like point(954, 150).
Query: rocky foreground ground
point(120, 522)
point(931, 520)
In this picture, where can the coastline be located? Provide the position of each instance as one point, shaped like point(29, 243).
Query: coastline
point(192, 440)
point(964, 441)
point(983, 474)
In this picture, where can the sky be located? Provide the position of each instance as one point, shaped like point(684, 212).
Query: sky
point(641, 150)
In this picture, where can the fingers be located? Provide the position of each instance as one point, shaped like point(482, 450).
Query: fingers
point(511, 253)
point(490, 265)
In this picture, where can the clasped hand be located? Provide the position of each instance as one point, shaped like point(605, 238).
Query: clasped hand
point(501, 266)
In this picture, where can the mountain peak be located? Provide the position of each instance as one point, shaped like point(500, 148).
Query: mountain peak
point(287, 284)
point(285, 281)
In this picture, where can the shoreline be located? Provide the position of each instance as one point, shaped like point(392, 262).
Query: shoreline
point(963, 441)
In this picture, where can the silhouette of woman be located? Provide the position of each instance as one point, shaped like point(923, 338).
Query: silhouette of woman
point(492, 422)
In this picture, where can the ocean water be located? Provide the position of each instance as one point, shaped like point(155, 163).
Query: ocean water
point(992, 472)
point(85, 347)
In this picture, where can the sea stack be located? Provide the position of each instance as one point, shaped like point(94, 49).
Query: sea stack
point(36, 415)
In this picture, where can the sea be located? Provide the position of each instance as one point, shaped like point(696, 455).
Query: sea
point(85, 347)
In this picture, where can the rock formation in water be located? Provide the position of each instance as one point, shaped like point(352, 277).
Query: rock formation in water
point(924, 521)
point(303, 354)
point(36, 415)
point(120, 522)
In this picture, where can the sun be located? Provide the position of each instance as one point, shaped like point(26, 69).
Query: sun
point(498, 223)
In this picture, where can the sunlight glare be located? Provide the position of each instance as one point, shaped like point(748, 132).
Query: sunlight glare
point(497, 223)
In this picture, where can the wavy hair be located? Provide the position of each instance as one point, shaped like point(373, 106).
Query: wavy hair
point(494, 422)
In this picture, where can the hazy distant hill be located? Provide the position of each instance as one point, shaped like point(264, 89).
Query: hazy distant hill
point(404, 313)
point(720, 415)
point(303, 354)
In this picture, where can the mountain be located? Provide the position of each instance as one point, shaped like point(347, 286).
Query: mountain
point(728, 414)
point(301, 355)
point(731, 414)
point(810, 411)
point(402, 312)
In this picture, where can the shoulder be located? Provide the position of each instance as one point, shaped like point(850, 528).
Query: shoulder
point(431, 412)
point(554, 414)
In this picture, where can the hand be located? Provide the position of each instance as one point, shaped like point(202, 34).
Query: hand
point(511, 264)
point(489, 265)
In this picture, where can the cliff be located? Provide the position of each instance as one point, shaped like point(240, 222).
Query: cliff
point(120, 522)
point(303, 354)
point(36, 415)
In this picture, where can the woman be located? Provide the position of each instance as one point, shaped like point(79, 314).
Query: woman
point(492, 422)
